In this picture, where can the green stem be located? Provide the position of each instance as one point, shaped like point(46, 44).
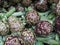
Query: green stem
point(4, 17)
point(10, 12)
point(18, 13)
point(51, 16)
point(49, 41)
point(14, 14)
point(57, 37)
point(53, 42)
point(42, 39)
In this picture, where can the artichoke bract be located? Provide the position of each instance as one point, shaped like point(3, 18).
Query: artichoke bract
point(26, 2)
point(13, 40)
point(15, 24)
point(57, 24)
point(4, 28)
point(28, 36)
point(43, 28)
point(32, 17)
point(41, 5)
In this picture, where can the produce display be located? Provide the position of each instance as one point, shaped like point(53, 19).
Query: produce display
point(29, 22)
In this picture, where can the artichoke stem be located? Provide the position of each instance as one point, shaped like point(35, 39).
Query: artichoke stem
point(10, 12)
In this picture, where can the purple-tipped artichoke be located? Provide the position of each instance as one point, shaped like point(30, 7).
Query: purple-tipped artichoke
point(43, 28)
point(32, 17)
point(15, 24)
point(28, 36)
point(57, 24)
point(13, 40)
point(41, 5)
point(3, 28)
point(26, 2)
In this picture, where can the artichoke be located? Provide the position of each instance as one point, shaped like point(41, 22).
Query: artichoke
point(32, 17)
point(20, 8)
point(13, 40)
point(15, 24)
point(56, 9)
point(28, 36)
point(43, 28)
point(57, 24)
point(41, 5)
point(26, 2)
point(4, 28)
